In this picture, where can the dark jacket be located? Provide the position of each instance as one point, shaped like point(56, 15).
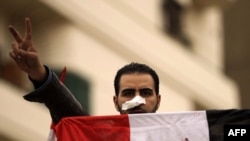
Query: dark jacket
point(57, 97)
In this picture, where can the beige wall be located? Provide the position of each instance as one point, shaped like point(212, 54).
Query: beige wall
point(95, 43)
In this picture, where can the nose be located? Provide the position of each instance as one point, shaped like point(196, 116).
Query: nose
point(137, 93)
point(136, 101)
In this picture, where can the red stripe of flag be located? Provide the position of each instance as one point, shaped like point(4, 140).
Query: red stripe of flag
point(97, 128)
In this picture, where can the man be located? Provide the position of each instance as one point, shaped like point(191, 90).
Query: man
point(137, 80)
point(133, 82)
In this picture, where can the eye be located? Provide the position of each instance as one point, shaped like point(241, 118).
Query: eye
point(128, 93)
point(146, 93)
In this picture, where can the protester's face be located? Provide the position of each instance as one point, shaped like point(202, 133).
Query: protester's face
point(135, 84)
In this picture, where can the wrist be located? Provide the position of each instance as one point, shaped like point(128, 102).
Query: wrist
point(39, 75)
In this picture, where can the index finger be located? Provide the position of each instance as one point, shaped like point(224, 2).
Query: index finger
point(28, 29)
point(15, 34)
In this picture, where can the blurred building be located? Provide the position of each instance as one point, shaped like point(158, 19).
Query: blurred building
point(198, 47)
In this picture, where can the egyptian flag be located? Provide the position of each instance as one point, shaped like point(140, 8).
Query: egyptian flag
point(180, 126)
point(209, 125)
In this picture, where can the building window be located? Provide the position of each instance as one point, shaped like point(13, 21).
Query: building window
point(172, 11)
point(79, 87)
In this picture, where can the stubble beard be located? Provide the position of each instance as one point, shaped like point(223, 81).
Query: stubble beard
point(136, 110)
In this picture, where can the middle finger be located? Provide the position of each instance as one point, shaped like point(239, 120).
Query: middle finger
point(28, 32)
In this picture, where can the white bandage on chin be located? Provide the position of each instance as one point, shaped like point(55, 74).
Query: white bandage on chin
point(136, 101)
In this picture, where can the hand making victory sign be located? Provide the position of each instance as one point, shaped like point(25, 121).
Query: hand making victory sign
point(25, 55)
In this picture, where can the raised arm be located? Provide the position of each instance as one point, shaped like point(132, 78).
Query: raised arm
point(25, 55)
point(49, 90)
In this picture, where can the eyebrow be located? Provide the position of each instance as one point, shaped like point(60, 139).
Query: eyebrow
point(142, 89)
point(146, 89)
point(128, 89)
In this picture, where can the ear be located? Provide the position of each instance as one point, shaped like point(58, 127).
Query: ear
point(115, 100)
point(158, 100)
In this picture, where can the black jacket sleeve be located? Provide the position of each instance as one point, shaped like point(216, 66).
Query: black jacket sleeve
point(56, 96)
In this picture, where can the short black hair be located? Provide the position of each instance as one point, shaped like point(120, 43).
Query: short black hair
point(134, 68)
